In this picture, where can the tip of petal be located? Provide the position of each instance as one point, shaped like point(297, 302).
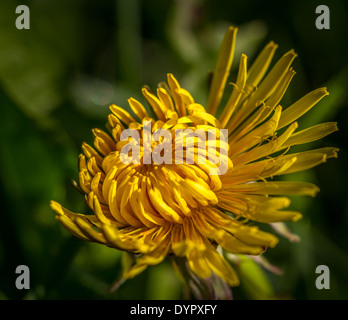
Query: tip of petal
point(232, 28)
point(314, 191)
point(274, 241)
point(297, 217)
point(55, 206)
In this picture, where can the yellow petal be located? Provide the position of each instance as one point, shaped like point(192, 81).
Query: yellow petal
point(165, 98)
point(110, 144)
point(174, 89)
point(279, 92)
point(220, 266)
point(236, 93)
point(258, 208)
point(186, 96)
point(309, 159)
point(301, 106)
point(264, 150)
point(259, 170)
point(112, 236)
point(222, 70)
point(197, 117)
point(99, 212)
point(198, 264)
point(138, 109)
point(90, 152)
point(89, 231)
point(250, 235)
point(71, 227)
point(311, 134)
point(122, 114)
point(158, 107)
point(115, 122)
point(85, 181)
point(152, 258)
point(261, 64)
point(256, 136)
point(159, 204)
point(276, 188)
point(113, 204)
point(96, 187)
point(266, 88)
point(271, 81)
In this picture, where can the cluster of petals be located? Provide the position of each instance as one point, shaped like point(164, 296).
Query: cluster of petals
point(181, 209)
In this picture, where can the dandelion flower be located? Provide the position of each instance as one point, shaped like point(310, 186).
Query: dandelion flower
point(188, 210)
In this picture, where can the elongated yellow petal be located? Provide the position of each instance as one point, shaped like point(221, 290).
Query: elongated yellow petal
point(264, 150)
point(309, 159)
point(158, 107)
point(178, 244)
point(99, 212)
point(199, 116)
point(114, 122)
point(311, 134)
point(102, 146)
point(266, 88)
point(61, 211)
point(258, 208)
point(259, 170)
point(220, 266)
point(89, 231)
point(222, 70)
point(269, 84)
point(94, 169)
point(113, 204)
point(150, 213)
point(232, 244)
point(186, 96)
point(257, 135)
point(90, 152)
point(276, 188)
point(261, 64)
point(85, 181)
point(138, 109)
point(72, 227)
point(165, 98)
point(279, 92)
point(152, 258)
point(174, 88)
point(159, 204)
point(301, 106)
point(218, 222)
point(236, 93)
point(105, 137)
point(198, 264)
point(111, 234)
point(122, 114)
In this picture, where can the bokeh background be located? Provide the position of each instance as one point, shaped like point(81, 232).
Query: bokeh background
point(57, 80)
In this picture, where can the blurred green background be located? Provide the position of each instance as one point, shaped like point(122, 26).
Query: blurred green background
point(56, 82)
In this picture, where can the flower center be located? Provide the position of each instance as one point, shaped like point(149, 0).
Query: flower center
point(159, 174)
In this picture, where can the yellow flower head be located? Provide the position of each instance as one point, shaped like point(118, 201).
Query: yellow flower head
point(190, 208)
